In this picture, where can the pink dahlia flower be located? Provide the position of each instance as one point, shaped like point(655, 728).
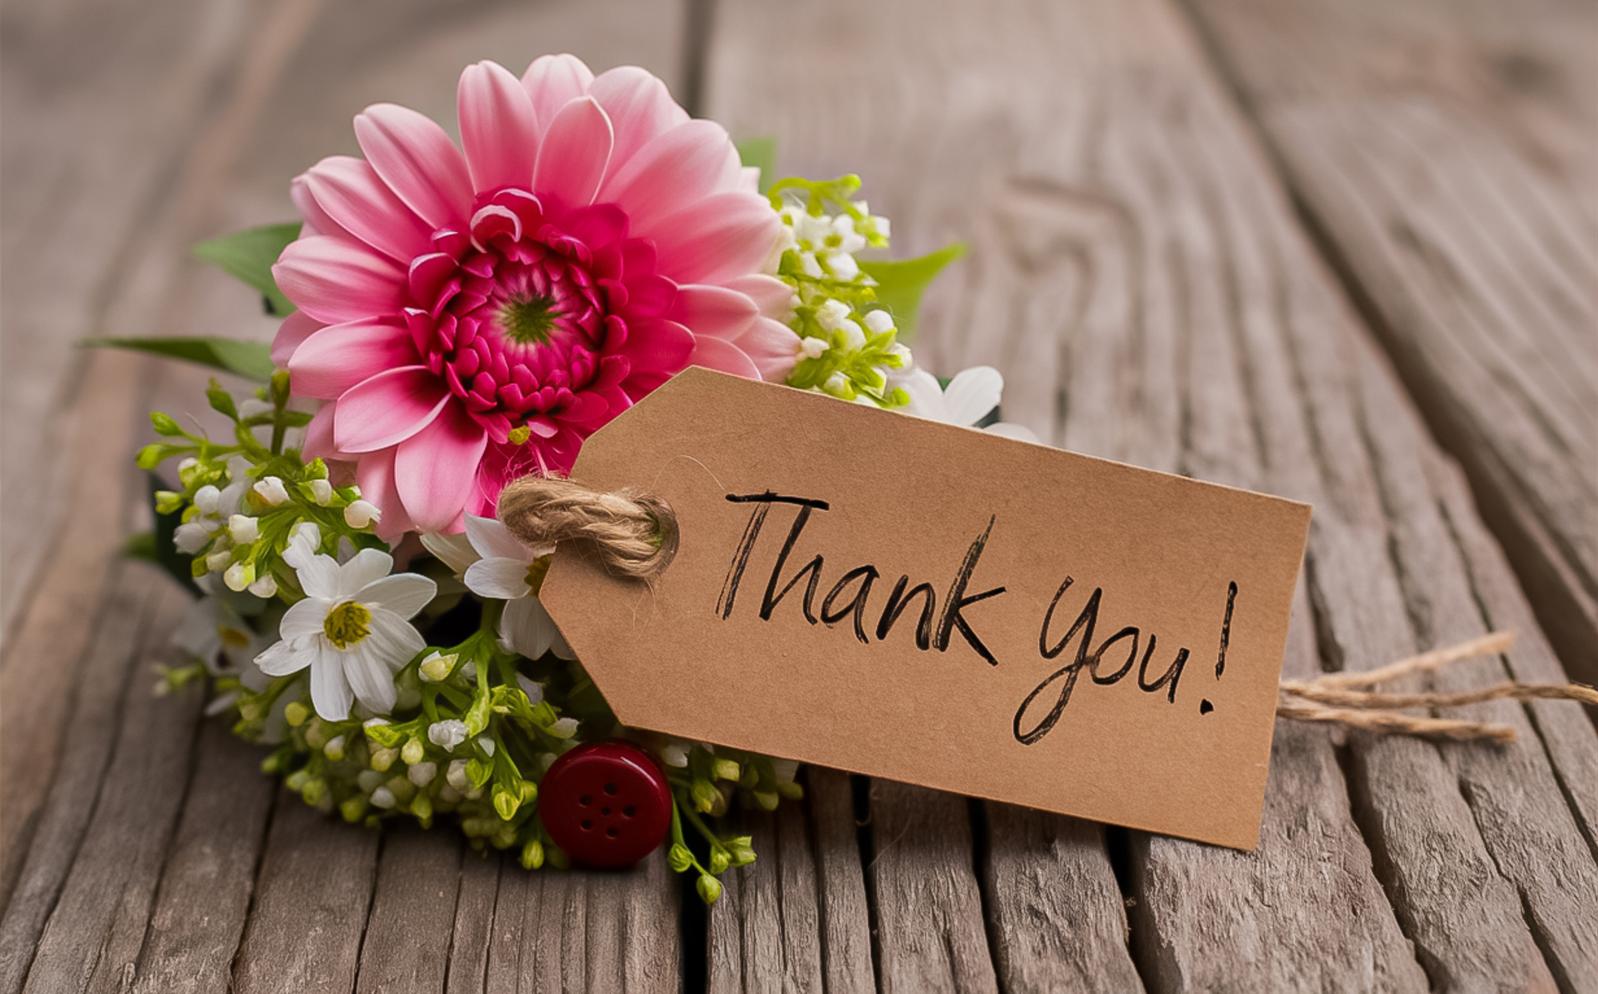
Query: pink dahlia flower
point(471, 316)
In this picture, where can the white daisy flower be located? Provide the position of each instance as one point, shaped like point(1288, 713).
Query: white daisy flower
point(972, 395)
point(509, 571)
point(352, 629)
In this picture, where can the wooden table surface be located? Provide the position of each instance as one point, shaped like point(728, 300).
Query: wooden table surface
point(1342, 250)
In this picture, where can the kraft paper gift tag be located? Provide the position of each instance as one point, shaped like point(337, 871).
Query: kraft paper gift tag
point(877, 593)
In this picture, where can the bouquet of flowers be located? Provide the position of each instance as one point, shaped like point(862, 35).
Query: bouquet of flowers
point(456, 317)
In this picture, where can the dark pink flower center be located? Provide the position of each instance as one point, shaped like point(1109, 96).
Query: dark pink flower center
point(527, 316)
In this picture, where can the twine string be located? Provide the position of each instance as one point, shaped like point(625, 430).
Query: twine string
point(634, 534)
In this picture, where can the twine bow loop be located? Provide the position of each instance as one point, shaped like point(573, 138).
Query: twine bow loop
point(633, 534)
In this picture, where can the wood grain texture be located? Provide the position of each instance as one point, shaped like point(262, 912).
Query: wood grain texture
point(1446, 153)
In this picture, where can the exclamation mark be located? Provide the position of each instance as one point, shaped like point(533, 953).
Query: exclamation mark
point(1205, 707)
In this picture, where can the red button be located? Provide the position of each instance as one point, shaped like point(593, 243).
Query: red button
point(606, 804)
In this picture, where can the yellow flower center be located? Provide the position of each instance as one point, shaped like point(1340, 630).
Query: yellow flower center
point(347, 624)
point(233, 638)
point(536, 570)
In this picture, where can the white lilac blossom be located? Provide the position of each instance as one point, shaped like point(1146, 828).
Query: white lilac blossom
point(352, 630)
point(512, 572)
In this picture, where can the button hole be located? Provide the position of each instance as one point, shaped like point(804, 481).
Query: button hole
point(610, 833)
point(629, 811)
point(587, 824)
point(605, 810)
point(585, 800)
point(610, 788)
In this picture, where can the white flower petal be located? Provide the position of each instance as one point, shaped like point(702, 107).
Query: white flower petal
point(454, 551)
point(330, 690)
point(403, 593)
point(304, 618)
point(926, 397)
point(498, 577)
point(284, 658)
point(1009, 429)
point(367, 566)
point(394, 640)
point(527, 628)
point(318, 577)
point(370, 678)
point(972, 395)
point(490, 537)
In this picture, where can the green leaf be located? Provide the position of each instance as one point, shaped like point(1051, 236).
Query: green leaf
point(248, 255)
point(252, 360)
point(156, 546)
point(761, 153)
point(901, 282)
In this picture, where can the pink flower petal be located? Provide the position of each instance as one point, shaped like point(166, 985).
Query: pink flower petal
point(375, 476)
point(318, 443)
point(772, 346)
point(499, 128)
point(658, 346)
point(713, 311)
point(575, 153)
point(436, 469)
point(316, 220)
point(336, 279)
point(417, 161)
point(552, 81)
point(722, 237)
point(775, 298)
point(339, 356)
point(714, 353)
point(349, 191)
point(684, 165)
point(639, 106)
point(388, 408)
point(296, 328)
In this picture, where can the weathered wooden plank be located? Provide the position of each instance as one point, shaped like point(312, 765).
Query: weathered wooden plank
point(96, 926)
point(797, 920)
point(204, 897)
point(877, 99)
point(1445, 150)
point(412, 914)
point(309, 908)
point(574, 931)
point(358, 54)
point(100, 103)
point(765, 932)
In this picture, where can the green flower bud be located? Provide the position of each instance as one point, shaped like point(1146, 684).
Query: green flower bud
point(790, 790)
point(766, 799)
point(353, 809)
point(279, 387)
point(334, 749)
point(167, 501)
point(436, 667)
point(297, 780)
point(506, 803)
point(151, 455)
point(704, 795)
point(529, 792)
point(422, 807)
point(719, 861)
point(316, 734)
point(314, 790)
point(741, 850)
point(295, 714)
point(533, 855)
point(413, 750)
point(164, 424)
point(679, 858)
point(383, 758)
point(709, 888)
point(725, 769)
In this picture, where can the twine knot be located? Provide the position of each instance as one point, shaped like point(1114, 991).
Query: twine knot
point(633, 534)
